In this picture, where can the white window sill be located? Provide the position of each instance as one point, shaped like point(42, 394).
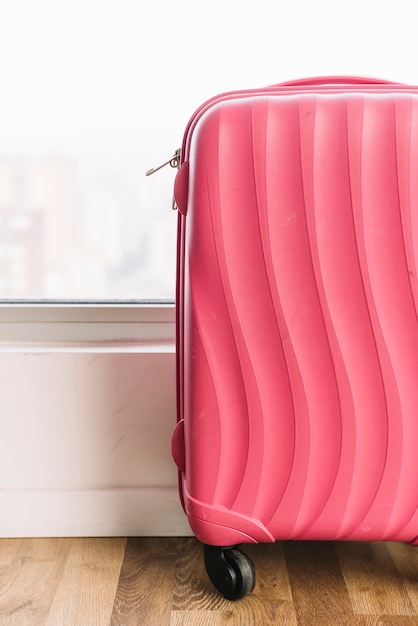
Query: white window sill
point(87, 327)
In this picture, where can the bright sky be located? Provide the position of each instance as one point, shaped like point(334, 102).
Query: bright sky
point(125, 75)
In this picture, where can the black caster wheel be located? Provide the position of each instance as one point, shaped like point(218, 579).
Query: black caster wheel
point(230, 570)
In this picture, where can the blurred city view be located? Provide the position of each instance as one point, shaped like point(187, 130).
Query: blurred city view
point(70, 231)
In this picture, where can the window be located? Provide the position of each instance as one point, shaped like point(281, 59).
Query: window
point(79, 127)
point(95, 92)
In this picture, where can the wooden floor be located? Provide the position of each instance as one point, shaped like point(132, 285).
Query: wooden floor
point(146, 582)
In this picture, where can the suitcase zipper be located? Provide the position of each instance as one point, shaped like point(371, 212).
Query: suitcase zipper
point(174, 161)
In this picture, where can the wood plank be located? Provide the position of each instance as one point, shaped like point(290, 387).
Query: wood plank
point(385, 620)
point(271, 602)
point(145, 590)
point(30, 570)
point(9, 549)
point(319, 592)
point(87, 588)
point(374, 585)
point(405, 559)
point(192, 618)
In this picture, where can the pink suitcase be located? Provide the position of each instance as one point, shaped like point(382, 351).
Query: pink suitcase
point(297, 319)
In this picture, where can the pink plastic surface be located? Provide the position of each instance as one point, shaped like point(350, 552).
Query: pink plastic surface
point(297, 315)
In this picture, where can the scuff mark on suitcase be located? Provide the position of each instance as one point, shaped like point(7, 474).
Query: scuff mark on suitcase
point(292, 218)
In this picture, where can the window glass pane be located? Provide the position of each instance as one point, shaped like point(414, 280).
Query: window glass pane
point(95, 92)
point(82, 117)
point(70, 230)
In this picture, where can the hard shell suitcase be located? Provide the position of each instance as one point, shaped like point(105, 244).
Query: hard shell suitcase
point(297, 333)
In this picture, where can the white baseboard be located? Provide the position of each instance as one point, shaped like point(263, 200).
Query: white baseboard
point(152, 512)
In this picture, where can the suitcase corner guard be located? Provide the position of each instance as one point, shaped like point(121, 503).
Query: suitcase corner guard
point(217, 525)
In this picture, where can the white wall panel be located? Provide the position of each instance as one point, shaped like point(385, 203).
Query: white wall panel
point(85, 440)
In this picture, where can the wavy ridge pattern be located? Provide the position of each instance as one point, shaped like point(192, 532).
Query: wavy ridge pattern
point(301, 351)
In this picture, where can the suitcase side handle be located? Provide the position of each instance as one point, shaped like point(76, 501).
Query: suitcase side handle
point(336, 80)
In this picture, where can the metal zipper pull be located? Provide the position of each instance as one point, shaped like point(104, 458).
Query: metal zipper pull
point(173, 162)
